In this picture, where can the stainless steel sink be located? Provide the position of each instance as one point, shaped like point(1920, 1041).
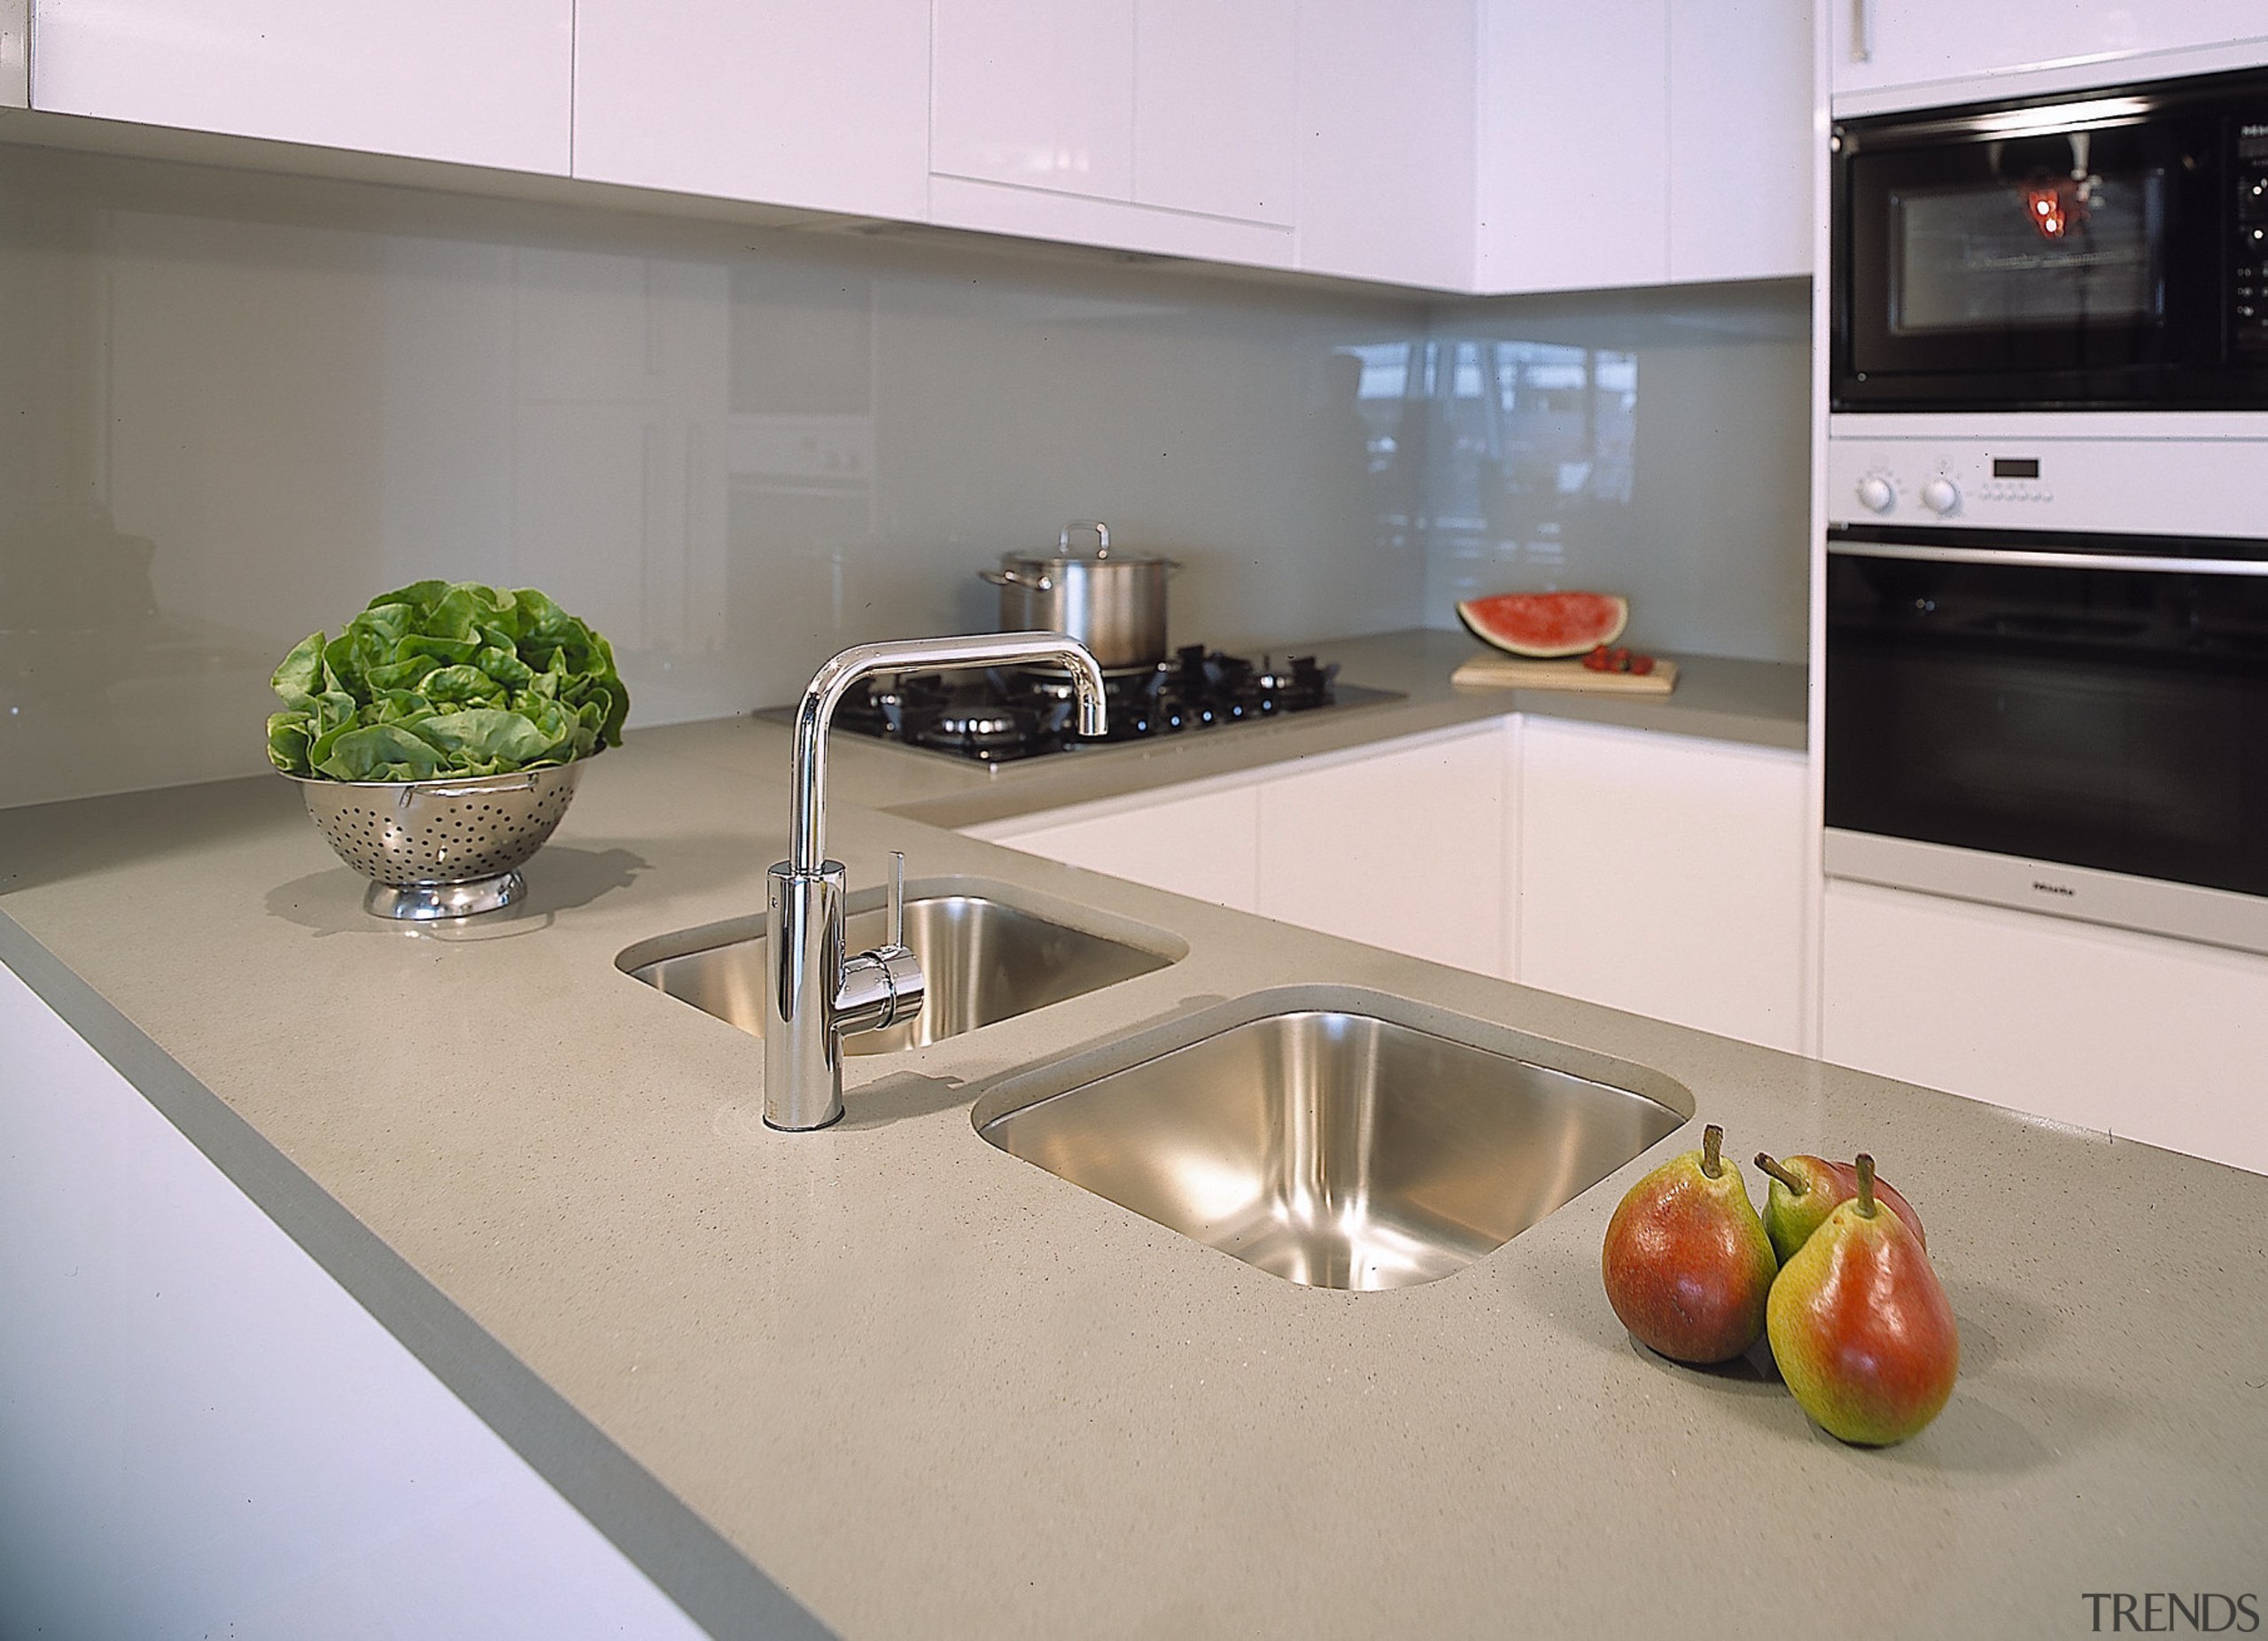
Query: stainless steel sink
point(990, 953)
point(1340, 1138)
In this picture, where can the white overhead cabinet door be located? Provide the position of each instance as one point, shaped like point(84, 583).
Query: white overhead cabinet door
point(823, 106)
point(1387, 105)
point(1637, 142)
point(1147, 125)
point(1876, 45)
point(1740, 139)
point(489, 84)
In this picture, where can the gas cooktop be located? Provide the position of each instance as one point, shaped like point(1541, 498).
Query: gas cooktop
point(1003, 714)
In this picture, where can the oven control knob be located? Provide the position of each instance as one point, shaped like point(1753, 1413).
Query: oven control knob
point(1876, 495)
point(1940, 496)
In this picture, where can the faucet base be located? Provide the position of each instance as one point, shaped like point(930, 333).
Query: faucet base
point(803, 1064)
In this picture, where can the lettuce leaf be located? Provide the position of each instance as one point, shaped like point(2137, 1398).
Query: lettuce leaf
point(444, 678)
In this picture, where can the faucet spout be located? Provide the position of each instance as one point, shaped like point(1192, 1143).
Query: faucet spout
point(807, 775)
point(814, 994)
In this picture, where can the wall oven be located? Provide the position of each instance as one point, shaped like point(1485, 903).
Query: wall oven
point(2104, 250)
point(2027, 709)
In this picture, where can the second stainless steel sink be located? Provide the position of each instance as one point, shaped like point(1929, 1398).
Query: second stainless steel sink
point(1338, 1138)
point(990, 953)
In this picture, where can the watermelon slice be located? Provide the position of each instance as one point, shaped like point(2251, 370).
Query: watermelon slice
point(1546, 623)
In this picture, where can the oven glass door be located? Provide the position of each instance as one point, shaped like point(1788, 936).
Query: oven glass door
point(1990, 266)
point(2097, 701)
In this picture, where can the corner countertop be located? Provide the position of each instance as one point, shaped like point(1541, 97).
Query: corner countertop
point(923, 1388)
point(1717, 697)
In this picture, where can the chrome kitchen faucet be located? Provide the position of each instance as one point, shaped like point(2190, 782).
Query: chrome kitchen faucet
point(813, 995)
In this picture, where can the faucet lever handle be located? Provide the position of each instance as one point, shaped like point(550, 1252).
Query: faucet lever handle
point(898, 896)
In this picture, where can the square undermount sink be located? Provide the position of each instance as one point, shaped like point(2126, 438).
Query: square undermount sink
point(989, 952)
point(1337, 1138)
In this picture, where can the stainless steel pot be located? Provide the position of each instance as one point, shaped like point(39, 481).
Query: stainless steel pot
point(1112, 603)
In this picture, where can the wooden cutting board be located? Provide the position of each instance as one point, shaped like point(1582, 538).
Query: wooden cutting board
point(1502, 672)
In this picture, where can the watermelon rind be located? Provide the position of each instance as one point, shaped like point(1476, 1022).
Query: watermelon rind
point(1545, 626)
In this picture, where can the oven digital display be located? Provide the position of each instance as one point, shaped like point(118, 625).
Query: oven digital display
point(2015, 467)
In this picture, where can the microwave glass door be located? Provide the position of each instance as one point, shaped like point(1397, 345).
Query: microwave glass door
point(2097, 717)
point(2070, 267)
point(2000, 256)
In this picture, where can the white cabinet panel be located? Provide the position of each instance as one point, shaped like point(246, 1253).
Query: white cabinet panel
point(1877, 44)
point(2151, 1039)
point(1215, 120)
point(1740, 139)
point(1663, 874)
point(822, 106)
point(1203, 845)
point(487, 84)
point(1634, 142)
point(1039, 93)
point(1575, 187)
point(190, 1404)
point(1403, 848)
point(1387, 109)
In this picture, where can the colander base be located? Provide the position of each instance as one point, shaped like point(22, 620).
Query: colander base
point(425, 903)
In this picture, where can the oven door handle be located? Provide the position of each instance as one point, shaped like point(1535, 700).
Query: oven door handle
point(2032, 558)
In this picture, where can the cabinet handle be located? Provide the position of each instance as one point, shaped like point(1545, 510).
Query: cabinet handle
point(15, 53)
point(1862, 31)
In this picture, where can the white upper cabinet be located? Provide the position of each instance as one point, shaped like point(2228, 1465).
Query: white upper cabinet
point(1388, 103)
point(1575, 144)
point(1878, 46)
point(819, 106)
point(1740, 139)
point(1216, 108)
point(1635, 142)
point(1152, 124)
point(485, 84)
point(1035, 93)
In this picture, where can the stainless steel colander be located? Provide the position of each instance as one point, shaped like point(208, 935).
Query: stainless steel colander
point(444, 848)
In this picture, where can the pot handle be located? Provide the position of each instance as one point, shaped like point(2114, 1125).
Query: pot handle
point(1102, 536)
point(1009, 578)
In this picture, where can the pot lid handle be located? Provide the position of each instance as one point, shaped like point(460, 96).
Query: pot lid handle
point(1102, 536)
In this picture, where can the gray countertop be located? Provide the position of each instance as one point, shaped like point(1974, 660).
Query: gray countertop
point(927, 1389)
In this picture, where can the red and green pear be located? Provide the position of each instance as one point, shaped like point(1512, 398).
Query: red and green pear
point(1805, 1190)
point(1860, 1326)
point(1687, 1265)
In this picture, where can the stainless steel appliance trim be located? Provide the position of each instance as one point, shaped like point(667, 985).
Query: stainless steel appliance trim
point(2083, 894)
point(2030, 559)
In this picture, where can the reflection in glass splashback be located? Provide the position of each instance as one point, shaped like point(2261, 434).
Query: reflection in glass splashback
point(235, 406)
point(1652, 443)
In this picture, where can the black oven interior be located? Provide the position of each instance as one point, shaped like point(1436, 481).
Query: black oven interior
point(2108, 717)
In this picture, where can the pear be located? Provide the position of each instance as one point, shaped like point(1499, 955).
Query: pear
point(1806, 1189)
point(1862, 1331)
point(1687, 1265)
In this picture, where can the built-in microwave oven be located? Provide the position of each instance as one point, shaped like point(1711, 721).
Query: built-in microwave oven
point(2105, 250)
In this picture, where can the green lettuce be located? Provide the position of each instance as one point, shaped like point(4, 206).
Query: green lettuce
point(446, 678)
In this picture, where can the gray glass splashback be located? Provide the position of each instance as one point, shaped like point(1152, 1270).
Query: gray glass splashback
point(233, 407)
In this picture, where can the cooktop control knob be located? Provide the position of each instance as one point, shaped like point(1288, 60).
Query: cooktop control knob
point(1940, 496)
point(1877, 493)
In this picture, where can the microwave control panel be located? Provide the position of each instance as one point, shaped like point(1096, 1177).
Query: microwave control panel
point(2142, 485)
point(2249, 289)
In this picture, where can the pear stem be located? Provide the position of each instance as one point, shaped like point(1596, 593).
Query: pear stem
point(1865, 1185)
point(1712, 1141)
point(1779, 1172)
